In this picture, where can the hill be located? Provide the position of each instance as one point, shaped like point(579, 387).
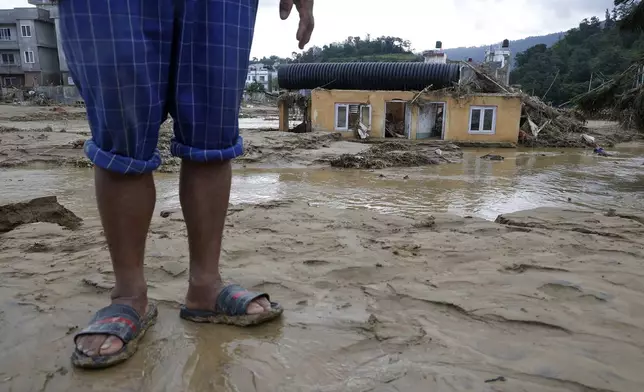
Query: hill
point(478, 52)
point(586, 57)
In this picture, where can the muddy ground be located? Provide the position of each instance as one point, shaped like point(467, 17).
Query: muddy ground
point(543, 300)
point(31, 135)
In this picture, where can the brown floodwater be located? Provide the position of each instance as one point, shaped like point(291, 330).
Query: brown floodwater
point(525, 179)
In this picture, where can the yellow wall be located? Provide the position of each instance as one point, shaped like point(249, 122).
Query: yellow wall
point(508, 117)
point(457, 112)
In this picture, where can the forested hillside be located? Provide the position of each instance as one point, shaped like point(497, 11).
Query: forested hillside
point(587, 56)
point(477, 53)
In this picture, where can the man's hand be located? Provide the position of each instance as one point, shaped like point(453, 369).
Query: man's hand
point(307, 22)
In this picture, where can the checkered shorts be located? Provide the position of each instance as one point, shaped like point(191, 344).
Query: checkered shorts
point(135, 62)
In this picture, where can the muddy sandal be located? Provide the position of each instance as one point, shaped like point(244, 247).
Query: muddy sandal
point(231, 309)
point(117, 320)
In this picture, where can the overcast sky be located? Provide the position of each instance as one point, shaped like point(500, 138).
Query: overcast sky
point(423, 22)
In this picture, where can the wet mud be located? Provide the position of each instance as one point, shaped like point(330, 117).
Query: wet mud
point(542, 300)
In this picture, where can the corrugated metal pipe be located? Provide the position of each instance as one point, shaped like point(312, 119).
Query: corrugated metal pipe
point(367, 76)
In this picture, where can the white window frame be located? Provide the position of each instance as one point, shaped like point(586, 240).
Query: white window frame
point(482, 131)
point(25, 29)
point(348, 111)
point(33, 59)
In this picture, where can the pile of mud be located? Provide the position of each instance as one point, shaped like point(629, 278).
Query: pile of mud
point(398, 154)
point(43, 209)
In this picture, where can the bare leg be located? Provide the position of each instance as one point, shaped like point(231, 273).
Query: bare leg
point(204, 192)
point(126, 204)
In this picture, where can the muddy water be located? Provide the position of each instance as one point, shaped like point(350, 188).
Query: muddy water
point(526, 179)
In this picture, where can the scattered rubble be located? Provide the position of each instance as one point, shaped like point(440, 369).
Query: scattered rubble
point(398, 154)
point(492, 157)
point(42, 209)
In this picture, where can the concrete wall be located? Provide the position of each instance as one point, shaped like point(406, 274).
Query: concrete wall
point(457, 112)
point(66, 95)
point(62, 60)
point(45, 34)
point(48, 60)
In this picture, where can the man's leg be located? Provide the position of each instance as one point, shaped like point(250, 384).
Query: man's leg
point(118, 55)
point(212, 51)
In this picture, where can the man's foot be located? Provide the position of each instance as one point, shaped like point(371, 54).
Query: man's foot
point(230, 304)
point(100, 345)
point(205, 298)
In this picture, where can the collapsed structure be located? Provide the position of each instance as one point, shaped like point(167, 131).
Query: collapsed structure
point(400, 100)
point(436, 99)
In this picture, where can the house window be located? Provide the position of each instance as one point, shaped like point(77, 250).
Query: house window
point(29, 57)
point(349, 116)
point(26, 31)
point(5, 34)
point(483, 119)
point(7, 59)
point(10, 81)
point(262, 78)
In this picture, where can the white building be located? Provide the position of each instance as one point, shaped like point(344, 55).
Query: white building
point(436, 56)
point(262, 74)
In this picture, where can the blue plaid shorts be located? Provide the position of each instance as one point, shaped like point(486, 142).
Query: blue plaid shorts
point(135, 62)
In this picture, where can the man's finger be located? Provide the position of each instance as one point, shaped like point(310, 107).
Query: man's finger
point(307, 22)
point(304, 31)
point(285, 8)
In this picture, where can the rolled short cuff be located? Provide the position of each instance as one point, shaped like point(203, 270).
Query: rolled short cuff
point(198, 155)
point(119, 163)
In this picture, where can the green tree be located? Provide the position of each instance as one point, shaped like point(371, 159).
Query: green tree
point(584, 58)
point(255, 87)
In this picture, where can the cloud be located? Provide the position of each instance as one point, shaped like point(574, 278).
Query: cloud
point(455, 22)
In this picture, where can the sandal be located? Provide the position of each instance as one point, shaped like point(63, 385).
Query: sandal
point(117, 320)
point(230, 308)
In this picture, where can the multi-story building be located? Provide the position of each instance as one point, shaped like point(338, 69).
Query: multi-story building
point(28, 48)
point(260, 73)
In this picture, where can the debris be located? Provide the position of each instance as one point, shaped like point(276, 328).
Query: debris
point(79, 143)
point(168, 213)
point(500, 378)
point(43, 209)
point(392, 154)
point(542, 124)
point(491, 157)
point(588, 140)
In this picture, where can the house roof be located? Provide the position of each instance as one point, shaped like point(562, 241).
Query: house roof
point(368, 76)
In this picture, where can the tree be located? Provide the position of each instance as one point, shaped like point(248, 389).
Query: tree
point(353, 48)
point(255, 87)
point(585, 57)
point(630, 14)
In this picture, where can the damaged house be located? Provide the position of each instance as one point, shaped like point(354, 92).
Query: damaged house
point(399, 100)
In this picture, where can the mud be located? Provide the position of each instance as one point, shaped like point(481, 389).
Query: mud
point(47, 139)
point(545, 300)
point(398, 154)
point(43, 209)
